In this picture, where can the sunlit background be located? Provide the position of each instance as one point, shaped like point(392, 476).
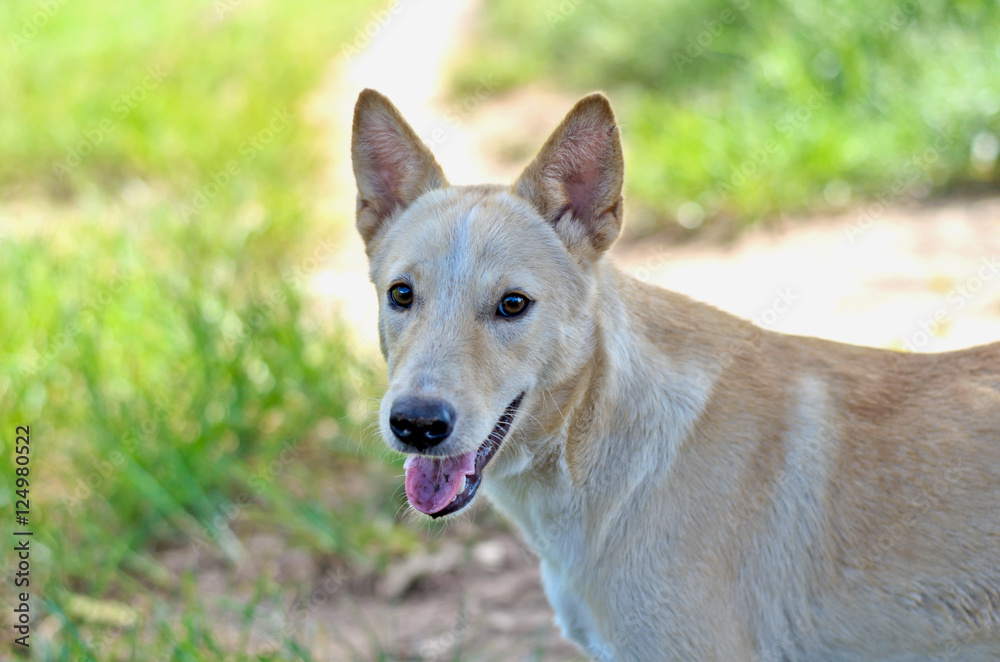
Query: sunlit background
point(187, 327)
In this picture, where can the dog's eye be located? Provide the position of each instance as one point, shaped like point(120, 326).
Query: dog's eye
point(401, 295)
point(512, 305)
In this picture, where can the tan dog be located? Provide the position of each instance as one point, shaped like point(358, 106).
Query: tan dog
point(697, 488)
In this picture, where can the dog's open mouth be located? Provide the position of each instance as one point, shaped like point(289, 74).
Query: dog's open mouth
point(441, 486)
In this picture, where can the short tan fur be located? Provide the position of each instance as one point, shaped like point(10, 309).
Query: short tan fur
point(696, 488)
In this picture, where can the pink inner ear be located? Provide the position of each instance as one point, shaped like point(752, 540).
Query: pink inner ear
point(577, 163)
point(582, 192)
point(391, 157)
point(388, 181)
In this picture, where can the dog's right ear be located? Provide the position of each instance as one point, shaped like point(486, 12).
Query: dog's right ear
point(392, 166)
point(575, 182)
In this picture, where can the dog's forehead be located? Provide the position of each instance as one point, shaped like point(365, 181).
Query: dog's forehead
point(469, 232)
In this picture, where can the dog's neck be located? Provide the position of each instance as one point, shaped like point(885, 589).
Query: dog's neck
point(579, 479)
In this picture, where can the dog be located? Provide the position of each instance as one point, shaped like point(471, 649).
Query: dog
point(696, 488)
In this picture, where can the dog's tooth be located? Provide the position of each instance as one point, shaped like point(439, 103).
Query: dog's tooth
point(465, 483)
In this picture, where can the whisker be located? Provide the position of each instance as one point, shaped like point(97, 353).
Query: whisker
point(556, 404)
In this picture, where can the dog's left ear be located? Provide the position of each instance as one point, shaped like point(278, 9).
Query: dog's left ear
point(575, 182)
point(392, 166)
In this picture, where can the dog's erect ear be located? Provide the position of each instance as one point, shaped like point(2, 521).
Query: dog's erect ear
point(575, 182)
point(392, 166)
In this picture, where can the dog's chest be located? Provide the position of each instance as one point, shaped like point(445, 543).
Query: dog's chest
point(573, 615)
point(552, 529)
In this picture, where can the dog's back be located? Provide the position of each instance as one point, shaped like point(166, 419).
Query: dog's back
point(877, 476)
point(843, 501)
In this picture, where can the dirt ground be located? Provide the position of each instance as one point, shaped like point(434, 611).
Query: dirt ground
point(482, 600)
point(476, 595)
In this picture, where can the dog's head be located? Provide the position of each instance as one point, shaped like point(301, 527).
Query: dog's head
point(486, 293)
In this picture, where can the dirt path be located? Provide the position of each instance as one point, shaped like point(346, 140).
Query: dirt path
point(486, 603)
point(921, 278)
point(475, 596)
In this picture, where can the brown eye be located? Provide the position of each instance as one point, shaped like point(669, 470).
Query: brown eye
point(512, 305)
point(401, 295)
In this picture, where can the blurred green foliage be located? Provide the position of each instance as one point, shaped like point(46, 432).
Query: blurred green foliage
point(750, 108)
point(156, 173)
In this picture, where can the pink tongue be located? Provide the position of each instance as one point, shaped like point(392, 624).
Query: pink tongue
point(431, 483)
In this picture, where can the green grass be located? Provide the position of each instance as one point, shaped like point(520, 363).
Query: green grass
point(751, 108)
point(180, 393)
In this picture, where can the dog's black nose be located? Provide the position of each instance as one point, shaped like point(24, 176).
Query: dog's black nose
point(421, 423)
